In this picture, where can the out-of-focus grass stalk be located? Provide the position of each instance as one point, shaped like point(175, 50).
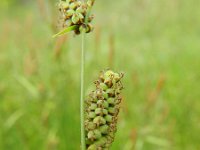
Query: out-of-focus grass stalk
point(82, 92)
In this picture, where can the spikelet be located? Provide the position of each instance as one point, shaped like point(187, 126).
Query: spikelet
point(75, 12)
point(101, 111)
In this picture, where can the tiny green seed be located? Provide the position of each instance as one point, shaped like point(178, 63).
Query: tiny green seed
point(93, 99)
point(92, 147)
point(80, 15)
point(105, 95)
point(100, 102)
point(108, 118)
point(68, 22)
point(116, 77)
point(75, 18)
point(111, 110)
point(111, 100)
point(93, 106)
point(72, 6)
point(91, 126)
point(91, 115)
point(90, 3)
point(91, 135)
point(105, 111)
point(97, 134)
point(80, 10)
point(103, 86)
point(98, 111)
point(101, 142)
point(70, 12)
point(105, 104)
point(104, 129)
point(99, 120)
point(108, 74)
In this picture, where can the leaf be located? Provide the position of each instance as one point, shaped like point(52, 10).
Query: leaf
point(28, 86)
point(66, 30)
point(10, 122)
point(157, 141)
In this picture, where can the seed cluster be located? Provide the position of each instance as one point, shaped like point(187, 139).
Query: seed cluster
point(75, 12)
point(102, 108)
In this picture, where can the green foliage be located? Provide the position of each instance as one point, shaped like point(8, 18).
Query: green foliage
point(66, 30)
point(155, 42)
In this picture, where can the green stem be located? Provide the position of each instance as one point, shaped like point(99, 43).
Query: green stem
point(82, 93)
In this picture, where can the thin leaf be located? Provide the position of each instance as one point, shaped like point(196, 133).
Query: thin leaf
point(10, 122)
point(66, 30)
point(28, 86)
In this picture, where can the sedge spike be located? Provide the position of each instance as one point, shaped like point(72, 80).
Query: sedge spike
point(76, 13)
point(101, 111)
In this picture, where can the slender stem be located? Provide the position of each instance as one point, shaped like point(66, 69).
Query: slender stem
point(82, 93)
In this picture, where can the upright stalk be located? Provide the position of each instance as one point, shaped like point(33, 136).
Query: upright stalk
point(82, 92)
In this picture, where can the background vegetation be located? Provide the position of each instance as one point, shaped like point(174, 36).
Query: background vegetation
point(155, 42)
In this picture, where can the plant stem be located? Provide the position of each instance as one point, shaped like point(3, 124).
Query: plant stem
point(82, 93)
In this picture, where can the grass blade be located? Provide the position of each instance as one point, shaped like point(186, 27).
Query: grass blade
point(66, 30)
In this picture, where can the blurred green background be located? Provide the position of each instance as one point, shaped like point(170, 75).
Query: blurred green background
point(155, 42)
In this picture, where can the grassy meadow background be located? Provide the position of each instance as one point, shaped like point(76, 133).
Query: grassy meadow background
point(155, 42)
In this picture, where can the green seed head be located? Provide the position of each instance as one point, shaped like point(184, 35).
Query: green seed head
point(104, 104)
point(77, 12)
point(91, 115)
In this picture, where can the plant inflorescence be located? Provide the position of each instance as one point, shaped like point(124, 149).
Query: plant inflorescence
point(76, 14)
point(101, 112)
